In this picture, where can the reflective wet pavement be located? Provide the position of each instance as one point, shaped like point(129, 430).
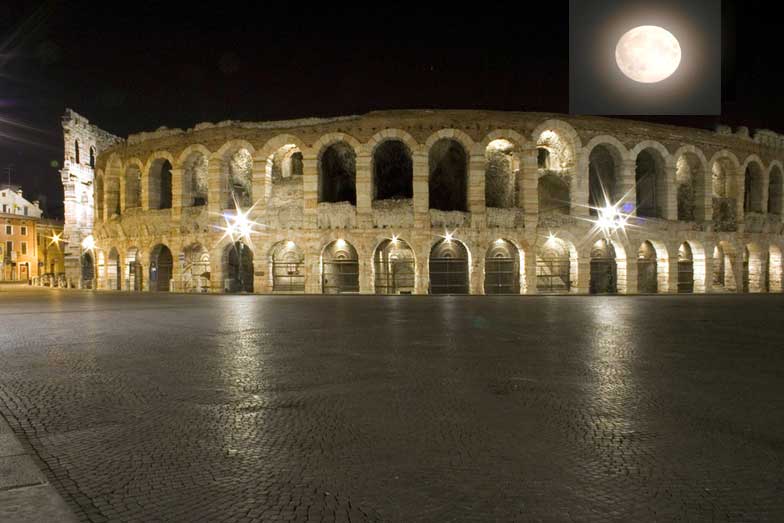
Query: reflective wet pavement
point(236, 408)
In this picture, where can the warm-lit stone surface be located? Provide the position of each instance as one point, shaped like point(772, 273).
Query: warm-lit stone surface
point(184, 407)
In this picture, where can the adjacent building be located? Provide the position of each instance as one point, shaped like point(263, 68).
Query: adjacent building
point(18, 240)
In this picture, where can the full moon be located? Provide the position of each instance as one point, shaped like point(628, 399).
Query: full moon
point(648, 54)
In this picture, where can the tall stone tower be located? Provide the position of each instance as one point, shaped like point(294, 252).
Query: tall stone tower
point(83, 143)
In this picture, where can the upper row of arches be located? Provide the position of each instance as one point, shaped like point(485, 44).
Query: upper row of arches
point(568, 174)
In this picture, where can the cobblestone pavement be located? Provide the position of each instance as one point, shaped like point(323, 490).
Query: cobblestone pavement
point(236, 408)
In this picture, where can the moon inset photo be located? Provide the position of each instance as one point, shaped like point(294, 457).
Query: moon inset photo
point(645, 58)
point(648, 54)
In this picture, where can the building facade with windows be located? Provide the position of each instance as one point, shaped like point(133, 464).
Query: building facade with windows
point(446, 201)
point(51, 253)
point(18, 241)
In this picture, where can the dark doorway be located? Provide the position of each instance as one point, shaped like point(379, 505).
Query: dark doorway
point(239, 268)
point(161, 264)
point(449, 268)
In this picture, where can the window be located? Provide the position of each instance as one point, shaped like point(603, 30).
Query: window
point(5, 207)
point(76, 151)
point(24, 248)
point(25, 210)
point(9, 246)
point(24, 230)
point(9, 230)
point(92, 157)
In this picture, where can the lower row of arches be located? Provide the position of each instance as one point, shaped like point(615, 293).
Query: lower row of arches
point(556, 269)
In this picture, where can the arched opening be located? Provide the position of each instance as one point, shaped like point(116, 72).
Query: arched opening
point(114, 271)
point(99, 197)
point(650, 184)
point(647, 269)
point(500, 179)
point(288, 268)
point(394, 268)
point(752, 189)
point(285, 191)
point(239, 167)
point(196, 269)
point(556, 267)
point(160, 185)
point(775, 192)
point(88, 270)
point(133, 187)
point(718, 268)
point(724, 196)
point(77, 157)
point(393, 171)
point(775, 269)
point(238, 263)
point(688, 175)
point(195, 177)
point(112, 189)
point(92, 157)
point(134, 270)
point(542, 158)
point(448, 180)
point(449, 267)
point(603, 177)
point(554, 195)
point(502, 268)
point(339, 268)
point(161, 264)
point(338, 174)
point(604, 269)
point(685, 269)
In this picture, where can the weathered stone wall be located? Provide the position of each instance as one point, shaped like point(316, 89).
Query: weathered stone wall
point(287, 210)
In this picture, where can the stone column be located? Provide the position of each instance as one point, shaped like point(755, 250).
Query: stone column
point(578, 192)
point(123, 202)
point(216, 271)
point(422, 284)
point(583, 275)
point(261, 279)
point(669, 193)
point(366, 275)
point(261, 186)
point(176, 284)
point(421, 190)
point(178, 196)
point(528, 196)
point(476, 189)
point(310, 189)
point(765, 191)
point(626, 188)
point(672, 273)
point(703, 197)
point(216, 194)
point(364, 188)
point(477, 274)
point(529, 271)
point(631, 275)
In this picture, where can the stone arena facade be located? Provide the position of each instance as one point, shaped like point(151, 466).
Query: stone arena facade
point(442, 201)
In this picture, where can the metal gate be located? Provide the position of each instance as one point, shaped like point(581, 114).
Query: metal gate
point(603, 276)
point(685, 277)
point(448, 276)
point(647, 276)
point(340, 276)
point(160, 274)
point(134, 276)
point(288, 276)
point(502, 276)
point(394, 277)
point(553, 275)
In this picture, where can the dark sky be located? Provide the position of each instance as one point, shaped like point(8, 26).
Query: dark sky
point(158, 63)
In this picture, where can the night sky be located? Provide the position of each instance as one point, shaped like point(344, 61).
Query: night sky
point(134, 68)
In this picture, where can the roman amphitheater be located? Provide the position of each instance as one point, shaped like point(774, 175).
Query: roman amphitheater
point(425, 202)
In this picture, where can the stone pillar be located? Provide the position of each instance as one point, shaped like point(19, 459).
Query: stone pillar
point(583, 275)
point(364, 188)
point(366, 275)
point(178, 196)
point(477, 274)
point(631, 275)
point(176, 284)
point(738, 189)
point(421, 190)
point(528, 196)
point(669, 193)
point(672, 272)
point(737, 271)
point(216, 271)
point(703, 197)
point(216, 195)
point(310, 189)
point(765, 191)
point(261, 187)
point(261, 278)
point(578, 192)
point(529, 271)
point(626, 188)
point(476, 188)
point(123, 201)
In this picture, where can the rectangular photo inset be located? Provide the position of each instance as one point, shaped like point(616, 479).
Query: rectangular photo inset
point(633, 57)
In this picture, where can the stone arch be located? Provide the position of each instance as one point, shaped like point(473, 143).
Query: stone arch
point(133, 272)
point(754, 183)
point(776, 188)
point(652, 163)
point(557, 264)
point(339, 268)
point(502, 268)
point(196, 268)
point(652, 267)
point(158, 180)
point(448, 152)
point(88, 270)
point(114, 270)
point(699, 266)
point(449, 267)
point(287, 267)
point(161, 266)
point(193, 163)
point(234, 161)
point(608, 267)
point(336, 163)
point(501, 167)
point(394, 267)
point(693, 182)
point(112, 185)
point(562, 142)
point(98, 200)
point(605, 156)
point(754, 274)
point(725, 268)
point(725, 171)
point(392, 165)
point(283, 161)
point(133, 183)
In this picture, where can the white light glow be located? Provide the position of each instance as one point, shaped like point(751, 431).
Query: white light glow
point(290, 245)
point(394, 239)
point(610, 220)
point(648, 54)
point(340, 243)
point(88, 243)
